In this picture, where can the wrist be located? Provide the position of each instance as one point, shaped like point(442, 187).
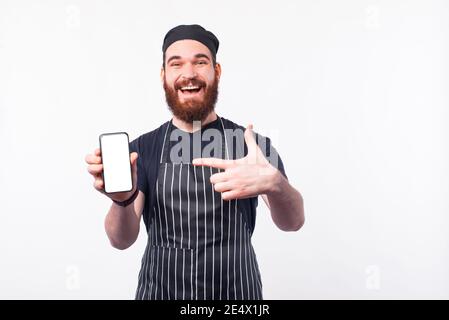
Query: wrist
point(129, 200)
point(274, 182)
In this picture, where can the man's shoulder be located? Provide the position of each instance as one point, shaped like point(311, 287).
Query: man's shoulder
point(148, 136)
point(148, 139)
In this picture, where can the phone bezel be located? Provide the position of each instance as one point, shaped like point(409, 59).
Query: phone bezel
point(130, 166)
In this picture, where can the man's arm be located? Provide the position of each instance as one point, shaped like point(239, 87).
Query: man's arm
point(253, 175)
point(122, 224)
point(285, 203)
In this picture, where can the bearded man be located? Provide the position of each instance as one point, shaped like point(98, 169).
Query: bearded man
point(196, 182)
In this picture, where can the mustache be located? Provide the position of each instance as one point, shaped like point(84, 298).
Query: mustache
point(194, 82)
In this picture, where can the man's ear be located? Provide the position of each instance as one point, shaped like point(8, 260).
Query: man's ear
point(162, 75)
point(218, 70)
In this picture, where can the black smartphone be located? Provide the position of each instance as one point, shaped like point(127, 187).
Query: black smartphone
point(117, 174)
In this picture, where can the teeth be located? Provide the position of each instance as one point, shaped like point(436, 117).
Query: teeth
point(190, 88)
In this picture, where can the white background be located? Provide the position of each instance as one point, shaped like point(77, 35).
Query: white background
point(354, 94)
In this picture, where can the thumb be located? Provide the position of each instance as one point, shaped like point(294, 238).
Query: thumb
point(133, 158)
point(255, 155)
point(250, 140)
point(253, 148)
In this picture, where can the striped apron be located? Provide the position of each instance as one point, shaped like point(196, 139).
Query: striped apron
point(199, 245)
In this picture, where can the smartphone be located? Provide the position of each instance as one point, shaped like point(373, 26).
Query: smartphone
point(117, 174)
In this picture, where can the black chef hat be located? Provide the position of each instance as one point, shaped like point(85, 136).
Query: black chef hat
point(193, 32)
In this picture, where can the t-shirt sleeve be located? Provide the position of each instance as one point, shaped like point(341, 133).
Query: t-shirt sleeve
point(136, 146)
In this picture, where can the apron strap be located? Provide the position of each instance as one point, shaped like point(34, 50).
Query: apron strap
point(164, 144)
point(225, 144)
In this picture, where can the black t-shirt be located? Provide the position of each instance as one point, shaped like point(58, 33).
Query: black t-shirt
point(149, 148)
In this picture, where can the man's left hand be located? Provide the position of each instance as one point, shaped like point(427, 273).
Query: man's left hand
point(247, 177)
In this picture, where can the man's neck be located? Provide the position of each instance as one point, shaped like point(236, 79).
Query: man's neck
point(188, 126)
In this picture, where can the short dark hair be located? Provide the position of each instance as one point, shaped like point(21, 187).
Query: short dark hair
point(193, 32)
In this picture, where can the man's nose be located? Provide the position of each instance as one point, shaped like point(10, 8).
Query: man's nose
point(188, 71)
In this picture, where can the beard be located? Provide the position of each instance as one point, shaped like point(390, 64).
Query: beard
point(192, 109)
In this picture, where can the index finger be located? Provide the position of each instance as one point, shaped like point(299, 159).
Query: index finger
point(213, 162)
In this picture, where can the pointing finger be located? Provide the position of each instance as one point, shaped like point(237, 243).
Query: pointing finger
point(213, 162)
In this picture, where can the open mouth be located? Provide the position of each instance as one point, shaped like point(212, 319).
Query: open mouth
point(190, 90)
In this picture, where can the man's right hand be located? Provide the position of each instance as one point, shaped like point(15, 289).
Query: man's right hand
point(95, 168)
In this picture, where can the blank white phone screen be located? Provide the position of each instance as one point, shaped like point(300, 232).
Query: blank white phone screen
point(116, 163)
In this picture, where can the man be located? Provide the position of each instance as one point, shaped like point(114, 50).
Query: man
point(199, 208)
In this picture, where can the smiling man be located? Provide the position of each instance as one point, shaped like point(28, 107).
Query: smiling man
point(196, 182)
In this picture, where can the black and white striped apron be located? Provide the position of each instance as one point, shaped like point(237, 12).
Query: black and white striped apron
point(199, 245)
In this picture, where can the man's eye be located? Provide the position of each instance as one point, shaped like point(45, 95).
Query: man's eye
point(175, 64)
point(202, 62)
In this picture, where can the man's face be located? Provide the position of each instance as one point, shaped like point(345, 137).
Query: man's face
point(190, 80)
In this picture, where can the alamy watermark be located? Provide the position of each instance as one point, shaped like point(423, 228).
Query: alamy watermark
point(234, 145)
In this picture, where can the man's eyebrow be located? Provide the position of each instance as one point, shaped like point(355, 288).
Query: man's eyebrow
point(173, 58)
point(202, 55)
